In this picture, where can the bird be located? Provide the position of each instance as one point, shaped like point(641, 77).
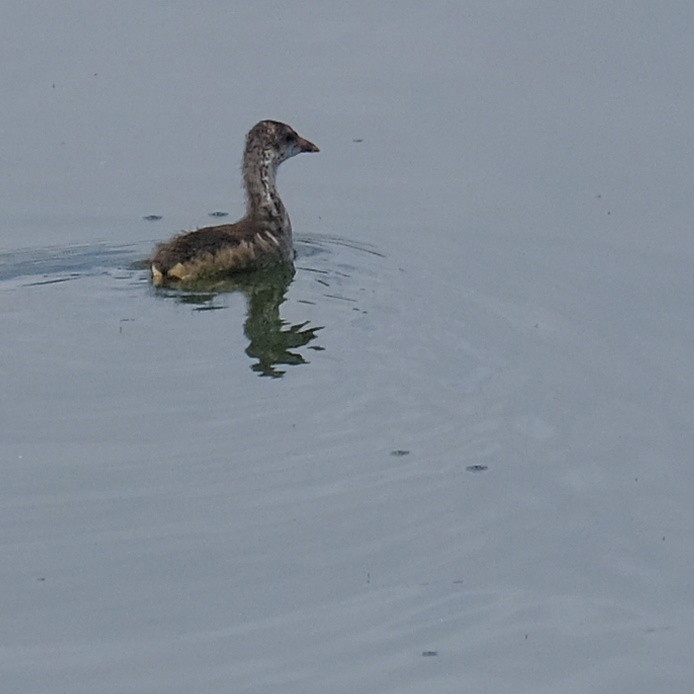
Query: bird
point(261, 238)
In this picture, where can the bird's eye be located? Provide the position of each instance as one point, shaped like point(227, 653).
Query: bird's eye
point(288, 138)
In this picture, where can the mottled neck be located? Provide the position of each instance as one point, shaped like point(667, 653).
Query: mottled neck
point(259, 176)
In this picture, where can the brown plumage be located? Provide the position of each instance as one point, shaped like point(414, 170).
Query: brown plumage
point(262, 237)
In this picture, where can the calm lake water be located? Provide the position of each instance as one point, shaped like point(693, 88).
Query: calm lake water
point(450, 451)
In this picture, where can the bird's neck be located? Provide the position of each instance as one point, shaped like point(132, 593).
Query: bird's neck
point(262, 199)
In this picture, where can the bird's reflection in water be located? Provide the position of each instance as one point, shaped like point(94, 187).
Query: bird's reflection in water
point(272, 341)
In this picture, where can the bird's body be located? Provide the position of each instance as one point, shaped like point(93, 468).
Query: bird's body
point(262, 237)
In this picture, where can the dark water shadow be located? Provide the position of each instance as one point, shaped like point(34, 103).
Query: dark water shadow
point(332, 263)
point(273, 342)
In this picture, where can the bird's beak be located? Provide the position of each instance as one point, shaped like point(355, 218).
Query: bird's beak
point(306, 146)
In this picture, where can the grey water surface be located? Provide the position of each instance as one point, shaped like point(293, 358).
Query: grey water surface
point(449, 451)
